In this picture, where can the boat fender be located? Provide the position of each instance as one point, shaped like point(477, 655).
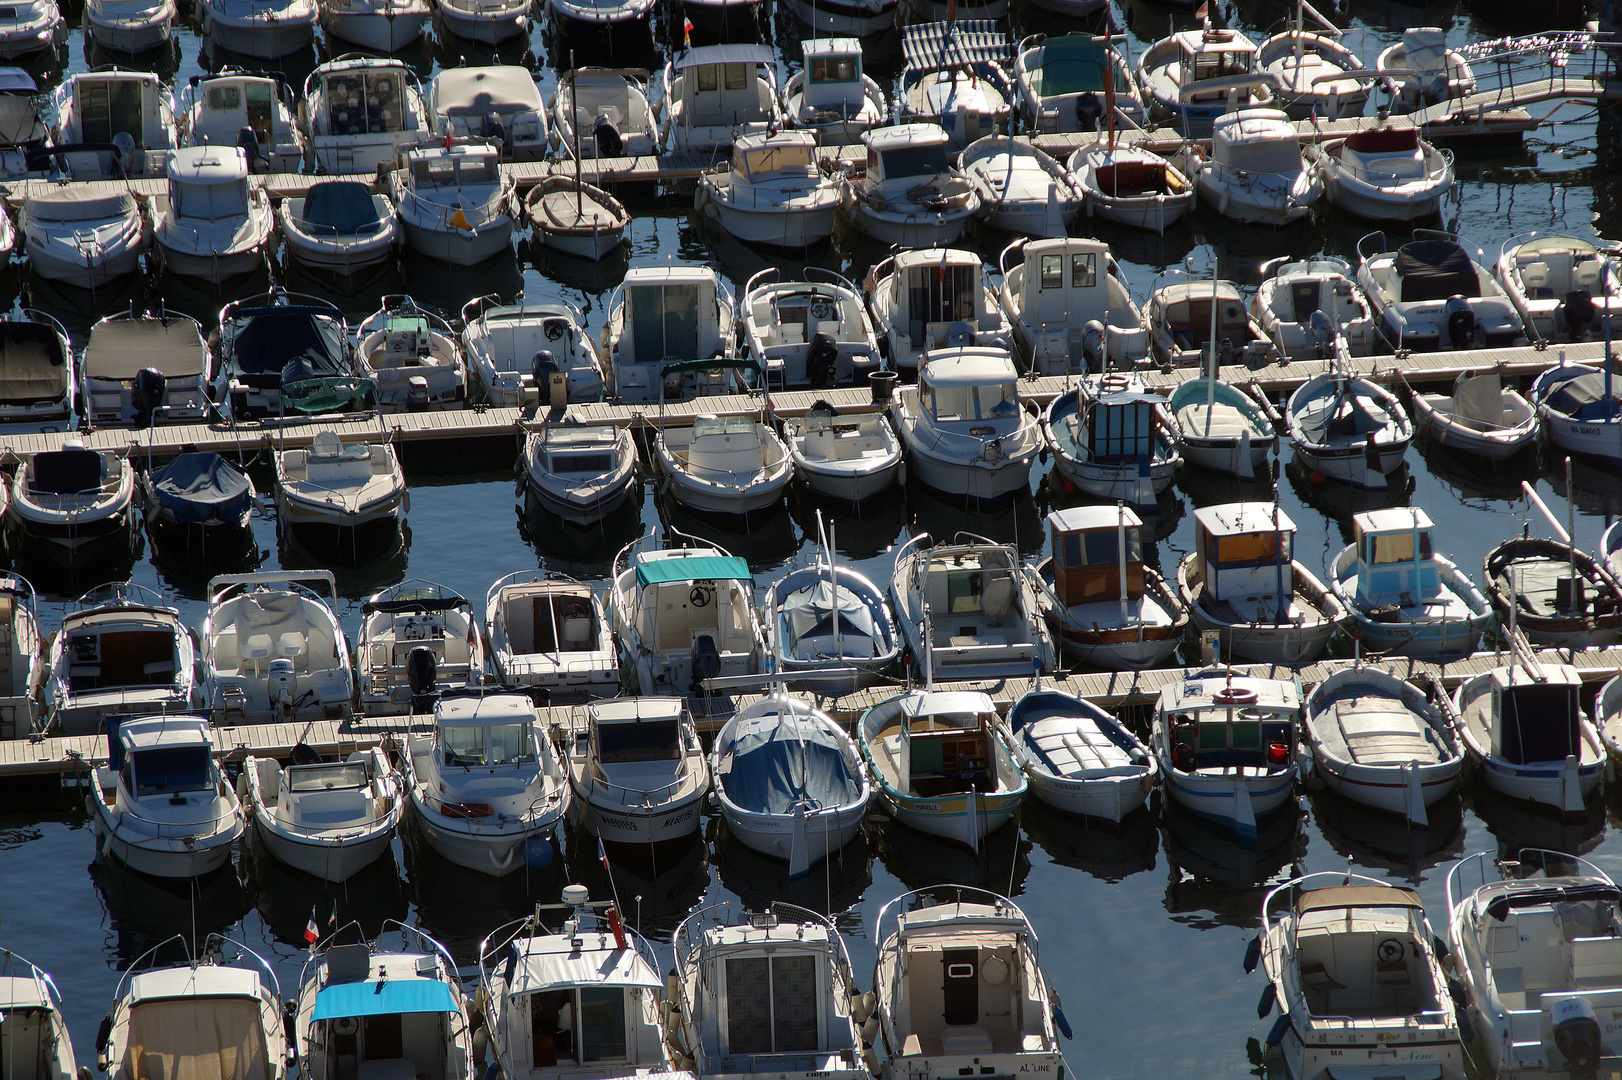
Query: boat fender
point(610, 143)
point(1089, 110)
point(1280, 1026)
point(1461, 321)
point(1439, 947)
point(1456, 991)
point(1093, 336)
point(481, 1043)
point(901, 474)
point(861, 1006)
point(104, 1034)
point(1577, 1035)
point(1467, 1030)
point(1063, 1024)
point(1265, 1005)
point(1253, 954)
point(290, 1029)
point(821, 357)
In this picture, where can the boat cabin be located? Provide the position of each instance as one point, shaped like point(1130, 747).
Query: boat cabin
point(1185, 313)
point(222, 106)
point(363, 98)
point(720, 87)
point(1395, 564)
point(202, 1020)
point(1256, 141)
point(163, 757)
point(488, 733)
point(468, 172)
point(946, 745)
point(636, 743)
point(786, 156)
point(1245, 552)
point(208, 183)
point(1208, 55)
point(833, 75)
point(1218, 724)
point(671, 313)
point(936, 292)
point(386, 1014)
point(1065, 286)
point(695, 604)
point(1533, 719)
point(973, 388)
point(900, 158)
point(106, 108)
point(1120, 427)
point(1344, 954)
point(121, 648)
point(579, 454)
point(1097, 553)
point(973, 594)
point(32, 1029)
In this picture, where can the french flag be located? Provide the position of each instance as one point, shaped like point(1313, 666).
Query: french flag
point(602, 853)
point(312, 931)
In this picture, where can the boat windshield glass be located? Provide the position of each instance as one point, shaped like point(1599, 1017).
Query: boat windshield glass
point(1098, 548)
point(109, 107)
point(779, 161)
point(1248, 548)
point(909, 161)
point(602, 1023)
point(172, 768)
point(590, 463)
point(1221, 65)
point(834, 69)
point(650, 740)
point(338, 775)
point(1270, 156)
point(1396, 548)
point(664, 321)
point(997, 401)
point(210, 202)
point(504, 744)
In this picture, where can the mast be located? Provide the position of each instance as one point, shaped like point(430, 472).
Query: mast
point(1120, 554)
point(574, 121)
point(1211, 381)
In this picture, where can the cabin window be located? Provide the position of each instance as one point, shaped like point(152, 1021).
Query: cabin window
point(1083, 271)
point(588, 464)
point(433, 172)
point(224, 97)
point(503, 744)
point(602, 1024)
point(1267, 156)
point(780, 160)
point(344, 774)
point(1395, 548)
point(1259, 548)
point(995, 402)
point(650, 740)
point(1099, 548)
point(1053, 271)
point(707, 78)
point(210, 202)
point(942, 294)
point(834, 69)
point(111, 108)
point(664, 321)
point(909, 161)
point(738, 75)
point(385, 103)
point(1220, 65)
point(772, 1004)
point(173, 768)
point(481, 170)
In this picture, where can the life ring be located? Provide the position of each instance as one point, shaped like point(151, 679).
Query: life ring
point(1389, 951)
point(1234, 695)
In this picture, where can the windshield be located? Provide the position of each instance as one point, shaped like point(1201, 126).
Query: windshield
point(172, 769)
point(1397, 548)
point(1250, 548)
point(997, 401)
point(504, 744)
point(915, 161)
point(650, 740)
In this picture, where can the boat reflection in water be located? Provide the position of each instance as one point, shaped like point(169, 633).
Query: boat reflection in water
point(766, 541)
point(1596, 489)
point(1375, 840)
point(1206, 488)
point(460, 907)
point(1472, 478)
point(833, 885)
point(1216, 874)
point(920, 861)
point(372, 557)
point(1518, 825)
point(1340, 501)
point(582, 551)
point(286, 897)
point(144, 910)
point(865, 531)
point(1096, 847)
point(656, 888)
point(1016, 521)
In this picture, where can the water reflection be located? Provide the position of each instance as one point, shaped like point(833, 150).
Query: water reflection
point(145, 910)
point(1108, 853)
point(583, 551)
point(63, 573)
point(362, 560)
point(460, 907)
point(590, 278)
point(78, 309)
point(1518, 825)
point(1471, 478)
point(919, 860)
point(1214, 877)
point(1376, 840)
point(1017, 522)
point(766, 540)
point(868, 531)
point(1206, 488)
point(656, 888)
point(1340, 501)
point(446, 288)
point(1596, 490)
point(833, 885)
point(286, 898)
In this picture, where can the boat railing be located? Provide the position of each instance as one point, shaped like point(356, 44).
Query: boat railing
point(1471, 874)
point(213, 948)
point(171, 828)
point(1416, 1019)
point(1361, 170)
point(974, 447)
point(348, 830)
point(204, 237)
point(475, 214)
point(1290, 889)
point(603, 789)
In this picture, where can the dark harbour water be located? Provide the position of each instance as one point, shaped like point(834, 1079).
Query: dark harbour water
point(1142, 930)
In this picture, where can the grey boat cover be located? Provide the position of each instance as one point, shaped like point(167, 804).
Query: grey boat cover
point(198, 488)
point(1435, 270)
point(1582, 397)
point(33, 370)
point(119, 348)
point(274, 337)
point(20, 122)
point(340, 208)
point(797, 759)
point(809, 612)
point(78, 204)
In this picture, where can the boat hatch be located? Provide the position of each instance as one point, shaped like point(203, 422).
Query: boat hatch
point(772, 1004)
point(1395, 563)
point(1537, 722)
point(1086, 565)
point(327, 776)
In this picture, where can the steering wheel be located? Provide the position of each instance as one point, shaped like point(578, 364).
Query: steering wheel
point(821, 310)
point(555, 329)
point(699, 596)
point(1390, 951)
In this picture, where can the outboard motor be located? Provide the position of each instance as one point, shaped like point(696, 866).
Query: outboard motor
point(422, 675)
point(542, 366)
point(1579, 312)
point(147, 395)
point(248, 143)
point(1461, 322)
point(1323, 333)
point(821, 356)
point(280, 684)
point(706, 662)
point(491, 127)
point(1089, 110)
point(1576, 1035)
point(1436, 88)
point(610, 143)
point(295, 370)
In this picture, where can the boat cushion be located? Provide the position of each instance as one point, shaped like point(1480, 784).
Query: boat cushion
point(1071, 748)
point(1435, 270)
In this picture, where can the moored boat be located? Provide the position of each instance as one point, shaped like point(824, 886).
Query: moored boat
point(638, 771)
point(1525, 729)
point(1479, 418)
point(330, 819)
point(1078, 758)
point(1555, 593)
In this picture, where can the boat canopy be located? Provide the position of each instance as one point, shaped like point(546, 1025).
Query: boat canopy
point(1072, 64)
point(480, 91)
point(383, 998)
point(724, 54)
point(796, 760)
point(1435, 270)
point(119, 348)
point(556, 970)
point(1357, 896)
point(33, 369)
point(693, 568)
point(79, 204)
point(340, 208)
point(200, 487)
point(810, 614)
point(1582, 397)
point(274, 337)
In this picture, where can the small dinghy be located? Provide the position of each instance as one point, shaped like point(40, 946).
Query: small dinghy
point(832, 96)
point(273, 649)
point(338, 485)
point(1108, 438)
point(580, 472)
point(1404, 598)
point(575, 218)
point(1382, 742)
point(329, 819)
point(1318, 77)
point(549, 630)
point(1421, 70)
point(927, 300)
point(1104, 606)
point(340, 225)
point(1338, 944)
point(120, 650)
point(82, 237)
point(381, 26)
point(1384, 174)
point(1581, 410)
point(820, 615)
point(1430, 294)
point(35, 27)
point(638, 770)
point(1021, 188)
point(1349, 428)
point(412, 357)
point(161, 804)
point(847, 459)
point(514, 350)
point(1524, 727)
point(1227, 745)
point(790, 782)
point(31, 1018)
point(734, 465)
point(1554, 593)
point(1255, 173)
point(963, 429)
point(941, 765)
point(488, 790)
point(1070, 308)
point(1130, 187)
point(955, 75)
point(399, 621)
point(145, 369)
point(813, 334)
point(1565, 287)
point(909, 194)
point(454, 202)
point(1303, 306)
point(1078, 758)
point(65, 500)
point(1221, 428)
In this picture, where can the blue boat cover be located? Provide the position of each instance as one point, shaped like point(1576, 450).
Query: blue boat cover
point(693, 568)
point(274, 336)
point(340, 208)
point(794, 760)
point(197, 488)
point(384, 998)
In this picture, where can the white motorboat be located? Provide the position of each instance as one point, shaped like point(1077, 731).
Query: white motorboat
point(130, 27)
point(169, 348)
point(909, 194)
point(337, 484)
point(454, 202)
point(1289, 299)
point(65, 500)
point(831, 96)
point(273, 649)
point(1243, 581)
point(261, 338)
point(603, 112)
point(791, 785)
point(362, 112)
point(1069, 82)
point(846, 18)
point(513, 352)
point(501, 102)
point(412, 357)
point(98, 107)
point(1430, 294)
point(381, 26)
point(955, 74)
point(1359, 974)
point(598, 19)
point(1178, 318)
point(1421, 70)
point(1479, 418)
point(1608, 716)
point(1581, 410)
point(161, 805)
point(963, 428)
point(1226, 745)
point(39, 376)
point(683, 614)
point(1110, 438)
point(1194, 76)
point(400, 621)
point(1103, 605)
point(576, 218)
point(1131, 187)
point(710, 91)
point(1566, 288)
point(735, 465)
point(1525, 729)
point(969, 610)
point(1554, 593)
point(549, 630)
point(774, 194)
point(1255, 173)
point(923, 300)
point(212, 224)
point(488, 789)
point(848, 459)
point(820, 615)
point(1021, 188)
point(36, 27)
point(1078, 758)
point(1221, 428)
point(218, 110)
point(812, 334)
point(262, 29)
point(580, 472)
point(339, 225)
point(120, 650)
point(488, 23)
point(638, 770)
point(940, 765)
point(82, 237)
point(35, 1029)
point(1349, 428)
point(1317, 75)
point(661, 321)
point(21, 665)
point(329, 819)
point(1380, 741)
point(1384, 174)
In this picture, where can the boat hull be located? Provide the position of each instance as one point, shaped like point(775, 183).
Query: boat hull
point(824, 831)
point(262, 39)
point(912, 231)
point(109, 264)
point(777, 228)
point(581, 511)
point(163, 856)
point(329, 860)
point(1219, 798)
point(1352, 196)
point(1384, 788)
point(492, 29)
point(213, 268)
point(493, 846)
point(950, 816)
point(374, 31)
point(645, 826)
point(844, 19)
point(460, 247)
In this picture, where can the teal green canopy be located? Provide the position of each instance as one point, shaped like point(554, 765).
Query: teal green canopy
point(693, 568)
point(1073, 64)
point(384, 998)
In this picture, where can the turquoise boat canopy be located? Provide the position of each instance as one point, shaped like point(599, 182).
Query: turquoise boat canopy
point(694, 568)
point(384, 998)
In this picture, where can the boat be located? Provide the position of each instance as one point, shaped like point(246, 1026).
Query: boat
point(500, 102)
point(710, 91)
point(1255, 173)
point(1403, 597)
point(142, 369)
point(1189, 78)
point(124, 119)
point(454, 202)
point(1077, 757)
point(994, 950)
point(1384, 174)
point(909, 194)
point(486, 22)
point(161, 805)
point(329, 819)
point(1358, 973)
point(201, 499)
point(1422, 71)
point(514, 350)
point(343, 486)
point(1110, 438)
point(940, 765)
point(814, 333)
point(221, 109)
point(774, 194)
point(65, 500)
point(1580, 410)
point(120, 650)
point(1242, 581)
point(129, 27)
point(846, 18)
point(1103, 605)
point(1226, 745)
point(20, 661)
point(1610, 546)
point(968, 610)
point(1179, 321)
point(845, 458)
point(661, 321)
point(1067, 82)
point(963, 429)
point(638, 770)
point(273, 649)
point(576, 218)
point(262, 29)
point(1565, 908)
point(580, 472)
point(1608, 716)
point(36, 1031)
point(954, 75)
point(603, 112)
point(40, 381)
point(549, 630)
point(736, 465)
point(1318, 76)
point(831, 96)
point(1131, 187)
point(1430, 294)
point(211, 223)
point(1349, 428)
point(501, 818)
point(412, 357)
point(1527, 734)
point(597, 19)
point(1566, 288)
point(381, 26)
point(682, 615)
point(35, 28)
point(924, 300)
point(1221, 428)
point(830, 626)
point(339, 225)
point(791, 785)
point(1291, 297)
point(1021, 188)
point(397, 623)
point(362, 112)
point(263, 337)
point(82, 237)
point(1554, 593)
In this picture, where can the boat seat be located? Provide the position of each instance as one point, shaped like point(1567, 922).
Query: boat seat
point(965, 1039)
point(329, 808)
point(1315, 977)
point(999, 597)
point(1535, 277)
point(1586, 275)
point(792, 333)
point(1596, 960)
point(159, 672)
point(256, 649)
point(1070, 751)
point(829, 327)
point(291, 643)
